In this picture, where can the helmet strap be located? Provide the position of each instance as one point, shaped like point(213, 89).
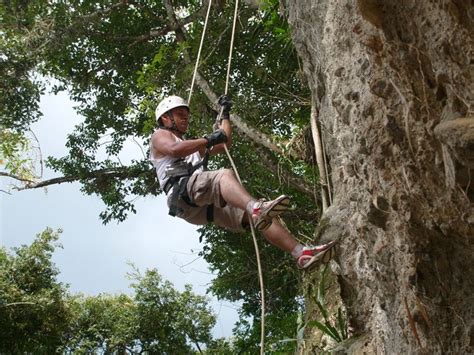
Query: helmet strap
point(174, 127)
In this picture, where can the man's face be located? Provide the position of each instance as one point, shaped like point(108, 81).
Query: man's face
point(180, 116)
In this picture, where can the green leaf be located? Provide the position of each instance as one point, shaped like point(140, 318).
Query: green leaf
point(334, 331)
point(342, 324)
point(323, 310)
point(328, 330)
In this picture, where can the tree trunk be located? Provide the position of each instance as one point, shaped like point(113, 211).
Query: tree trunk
point(386, 74)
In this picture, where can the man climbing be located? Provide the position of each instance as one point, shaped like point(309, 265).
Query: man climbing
point(200, 197)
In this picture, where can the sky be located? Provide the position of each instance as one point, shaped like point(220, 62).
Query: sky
point(95, 258)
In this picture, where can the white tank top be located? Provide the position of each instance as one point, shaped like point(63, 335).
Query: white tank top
point(160, 164)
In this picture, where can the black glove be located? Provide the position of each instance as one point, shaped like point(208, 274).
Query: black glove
point(216, 137)
point(226, 103)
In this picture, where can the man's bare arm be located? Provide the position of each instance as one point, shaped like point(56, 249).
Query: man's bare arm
point(165, 144)
point(227, 127)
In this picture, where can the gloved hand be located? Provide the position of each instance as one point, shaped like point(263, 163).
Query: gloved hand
point(216, 137)
point(226, 103)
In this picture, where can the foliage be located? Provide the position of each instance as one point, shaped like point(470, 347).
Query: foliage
point(157, 319)
point(19, 89)
point(103, 322)
point(335, 326)
point(37, 315)
point(219, 346)
point(170, 320)
point(33, 309)
point(280, 326)
point(14, 147)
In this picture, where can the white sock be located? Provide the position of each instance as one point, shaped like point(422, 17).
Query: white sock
point(297, 251)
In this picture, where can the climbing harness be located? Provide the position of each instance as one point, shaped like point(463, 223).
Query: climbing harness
point(178, 174)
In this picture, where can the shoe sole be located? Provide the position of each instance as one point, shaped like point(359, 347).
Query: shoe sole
point(324, 256)
point(279, 205)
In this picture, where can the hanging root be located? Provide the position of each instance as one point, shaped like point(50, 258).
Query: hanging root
point(411, 321)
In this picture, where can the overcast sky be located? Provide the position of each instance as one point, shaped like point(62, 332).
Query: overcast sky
point(94, 257)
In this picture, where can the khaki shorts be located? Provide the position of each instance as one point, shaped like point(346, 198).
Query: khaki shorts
point(203, 190)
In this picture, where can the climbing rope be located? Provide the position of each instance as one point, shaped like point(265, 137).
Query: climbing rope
point(199, 52)
point(252, 227)
point(231, 48)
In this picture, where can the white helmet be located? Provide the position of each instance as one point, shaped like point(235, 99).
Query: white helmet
point(169, 103)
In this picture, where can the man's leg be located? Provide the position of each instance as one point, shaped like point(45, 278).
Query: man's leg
point(279, 236)
point(236, 195)
point(261, 211)
point(233, 192)
point(305, 257)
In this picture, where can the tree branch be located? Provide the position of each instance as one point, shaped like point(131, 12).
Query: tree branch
point(47, 33)
point(99, 13)
point(18, 303)
point(177, 24)
point(119, 172)
point(16, 177)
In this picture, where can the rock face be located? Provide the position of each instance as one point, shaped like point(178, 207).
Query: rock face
point(458, 134)
point(384, 74)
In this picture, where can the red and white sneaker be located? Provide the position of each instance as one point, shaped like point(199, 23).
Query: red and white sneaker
point(312, 255)
point(264, 211)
